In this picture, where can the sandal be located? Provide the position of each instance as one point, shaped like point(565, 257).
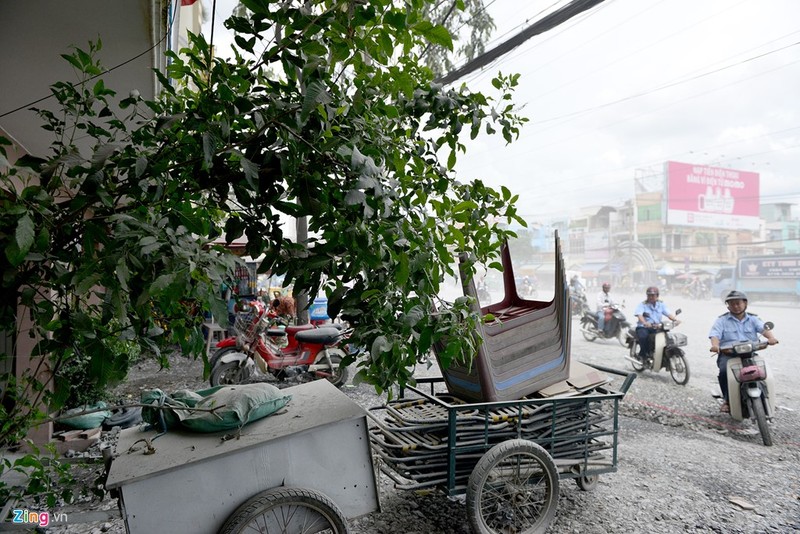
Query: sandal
point(725, 408)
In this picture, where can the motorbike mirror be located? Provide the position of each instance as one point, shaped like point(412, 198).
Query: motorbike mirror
point(768, 325)
point(678, 311)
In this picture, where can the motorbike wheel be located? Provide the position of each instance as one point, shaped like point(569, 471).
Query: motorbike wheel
point(636, 364)
point(286, 510)
point(219, 353)
point(516, 480)
point(679, 368)
point(622, 336)
point(229, 373)
point(339, 374)
point(588, 335)
point(757, 409)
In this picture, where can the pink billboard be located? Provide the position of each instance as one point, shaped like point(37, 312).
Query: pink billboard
point(711, 197)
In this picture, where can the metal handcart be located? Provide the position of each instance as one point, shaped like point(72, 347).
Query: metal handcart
point(507, 456)
point(307, 468)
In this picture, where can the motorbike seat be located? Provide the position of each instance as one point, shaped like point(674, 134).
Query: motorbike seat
point(276, 332)
point(294, 329)
point(323, 335)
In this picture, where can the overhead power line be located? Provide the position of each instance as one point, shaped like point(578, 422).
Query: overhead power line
point(547, 23)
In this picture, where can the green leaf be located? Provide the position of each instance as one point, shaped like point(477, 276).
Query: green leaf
point(24, 234)
point(435, 34)
point(162, 282)
point(402, 269)
point(315, 93)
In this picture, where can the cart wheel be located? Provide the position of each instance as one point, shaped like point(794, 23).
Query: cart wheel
point(587, 483)
point(513, 488)
point(287, 511)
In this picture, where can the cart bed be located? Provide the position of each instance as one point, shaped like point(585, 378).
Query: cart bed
point(429, 440)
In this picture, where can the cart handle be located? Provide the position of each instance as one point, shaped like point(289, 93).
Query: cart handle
point(629, 377)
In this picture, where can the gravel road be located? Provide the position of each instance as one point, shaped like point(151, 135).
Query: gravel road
point(682, 466)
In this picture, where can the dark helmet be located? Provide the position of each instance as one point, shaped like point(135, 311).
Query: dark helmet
point(735, 295)
point(652, 290)
point(606, 286)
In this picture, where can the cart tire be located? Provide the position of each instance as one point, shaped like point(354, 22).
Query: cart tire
point(230, 373)
point(124, 417)
point(513, 488)
point(588, 482)
point(287, 510)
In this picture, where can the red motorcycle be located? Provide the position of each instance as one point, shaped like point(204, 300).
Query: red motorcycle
point(303, 351)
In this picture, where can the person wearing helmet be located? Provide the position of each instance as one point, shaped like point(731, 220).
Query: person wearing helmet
point(604, 301)
point(649, 313)
point(734, 327)
point(575, 283)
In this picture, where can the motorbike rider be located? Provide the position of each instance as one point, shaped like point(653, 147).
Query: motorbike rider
point(575, 285)
point(655, 310)
point(733, 327)
point(604, 301)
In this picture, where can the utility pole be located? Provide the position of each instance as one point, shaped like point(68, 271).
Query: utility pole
point(301, 299)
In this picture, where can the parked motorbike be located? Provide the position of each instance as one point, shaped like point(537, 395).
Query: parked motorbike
point(579, 303)
point(617, 326)
point(667, 352)
point(256, 320)
point(309, 352)
point(747, 375)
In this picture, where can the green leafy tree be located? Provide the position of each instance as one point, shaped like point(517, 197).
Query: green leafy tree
point(467, 21)
point(326, 112)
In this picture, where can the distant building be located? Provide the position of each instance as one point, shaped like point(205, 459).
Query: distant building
point(682, 218)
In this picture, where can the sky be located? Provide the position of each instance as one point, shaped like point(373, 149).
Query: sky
point(630, 84)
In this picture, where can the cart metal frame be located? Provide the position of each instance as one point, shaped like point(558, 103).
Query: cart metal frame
point(573, 429)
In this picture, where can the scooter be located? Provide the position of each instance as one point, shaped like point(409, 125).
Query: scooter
point(747, 374)
point(667, 352)
point(310, 353)
point(255, 320)
point(617, 326)
point(578, 302)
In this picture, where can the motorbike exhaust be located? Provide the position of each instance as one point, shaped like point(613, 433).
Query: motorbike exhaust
point(634, 360)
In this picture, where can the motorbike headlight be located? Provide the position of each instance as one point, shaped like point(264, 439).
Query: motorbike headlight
point(743, 348)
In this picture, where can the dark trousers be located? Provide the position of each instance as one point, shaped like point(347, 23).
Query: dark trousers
point(722, 364)
point(643, 338)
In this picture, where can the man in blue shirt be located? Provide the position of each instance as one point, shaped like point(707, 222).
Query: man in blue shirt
point(736, 326)
point(655, 310)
